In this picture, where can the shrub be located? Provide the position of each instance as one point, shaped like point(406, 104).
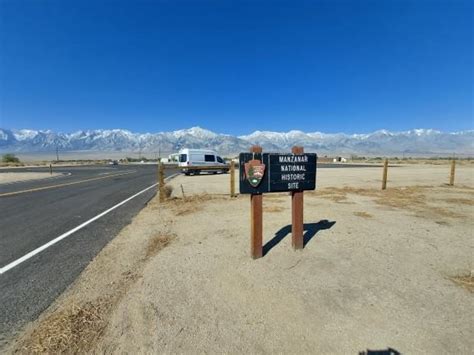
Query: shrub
point(167, 191)
point(10, 158)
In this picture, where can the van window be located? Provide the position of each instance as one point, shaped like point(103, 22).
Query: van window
point(195, 157)
point(208, 157)
point(219, 159)
point(183, 158)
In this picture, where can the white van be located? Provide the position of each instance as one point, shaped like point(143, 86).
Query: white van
point(200, 158)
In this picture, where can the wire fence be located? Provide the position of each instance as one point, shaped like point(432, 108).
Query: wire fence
point(378, 176)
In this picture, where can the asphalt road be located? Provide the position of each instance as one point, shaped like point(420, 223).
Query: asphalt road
point(31, 218)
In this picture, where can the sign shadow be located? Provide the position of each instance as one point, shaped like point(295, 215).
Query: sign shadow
point(388, 351)
point(310, 230)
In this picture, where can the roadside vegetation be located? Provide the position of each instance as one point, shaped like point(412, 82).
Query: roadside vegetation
point(10, 159)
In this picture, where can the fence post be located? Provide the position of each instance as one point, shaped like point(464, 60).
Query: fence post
point(232, 178)
point(385, 171)
point(50, 169)
point(161, 181)
point(256, 219)
point(297, 212)
point(453, 172)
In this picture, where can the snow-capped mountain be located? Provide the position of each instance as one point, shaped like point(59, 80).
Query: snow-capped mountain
point(117, 140)
point(383, 142)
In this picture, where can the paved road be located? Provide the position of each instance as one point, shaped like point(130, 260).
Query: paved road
point(30, 219)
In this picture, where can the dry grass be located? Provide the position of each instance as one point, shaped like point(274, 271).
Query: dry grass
point(277, 200)
point(419, 161)
point(332, 194)
point(157, 243)
point(167, 190)
point(191, 204)
point(460, 201)
point(185, 205)
point(276, 196)
point(408, 197)
point(412, 198)
point(74, 329)
point(434, 211)
point(465, 281)
point(273, 209)
point(2, 164)
point(363, 214)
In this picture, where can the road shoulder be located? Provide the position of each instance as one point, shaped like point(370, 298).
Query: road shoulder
point(14, 177)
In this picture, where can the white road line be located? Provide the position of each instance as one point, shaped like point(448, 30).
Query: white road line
point(67, 234)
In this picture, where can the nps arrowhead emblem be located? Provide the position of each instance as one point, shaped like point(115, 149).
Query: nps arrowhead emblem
point(254, 171)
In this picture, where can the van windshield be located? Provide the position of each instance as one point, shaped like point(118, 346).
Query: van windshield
point(183, 158)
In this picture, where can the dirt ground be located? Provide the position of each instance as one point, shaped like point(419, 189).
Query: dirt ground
point(380, 269)
point(9, 177)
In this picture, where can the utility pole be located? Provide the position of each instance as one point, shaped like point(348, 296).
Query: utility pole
point(57, 153)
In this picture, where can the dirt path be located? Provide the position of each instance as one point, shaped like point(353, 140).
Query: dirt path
point(379, 270)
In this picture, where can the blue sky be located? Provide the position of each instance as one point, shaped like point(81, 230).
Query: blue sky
point(236, 66)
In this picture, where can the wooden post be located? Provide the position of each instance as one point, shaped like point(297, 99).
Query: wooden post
point(161, 181)
point(385, 171)
point(453, 171)
point(256, 219)
point(297, 212)
point(50, 169)
point(232, 178)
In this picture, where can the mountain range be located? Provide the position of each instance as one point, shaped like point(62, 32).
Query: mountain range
point(416, 142)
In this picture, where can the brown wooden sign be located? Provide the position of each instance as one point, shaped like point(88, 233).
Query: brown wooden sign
point(271, 172)
point(256, 213)
point(277, 172)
